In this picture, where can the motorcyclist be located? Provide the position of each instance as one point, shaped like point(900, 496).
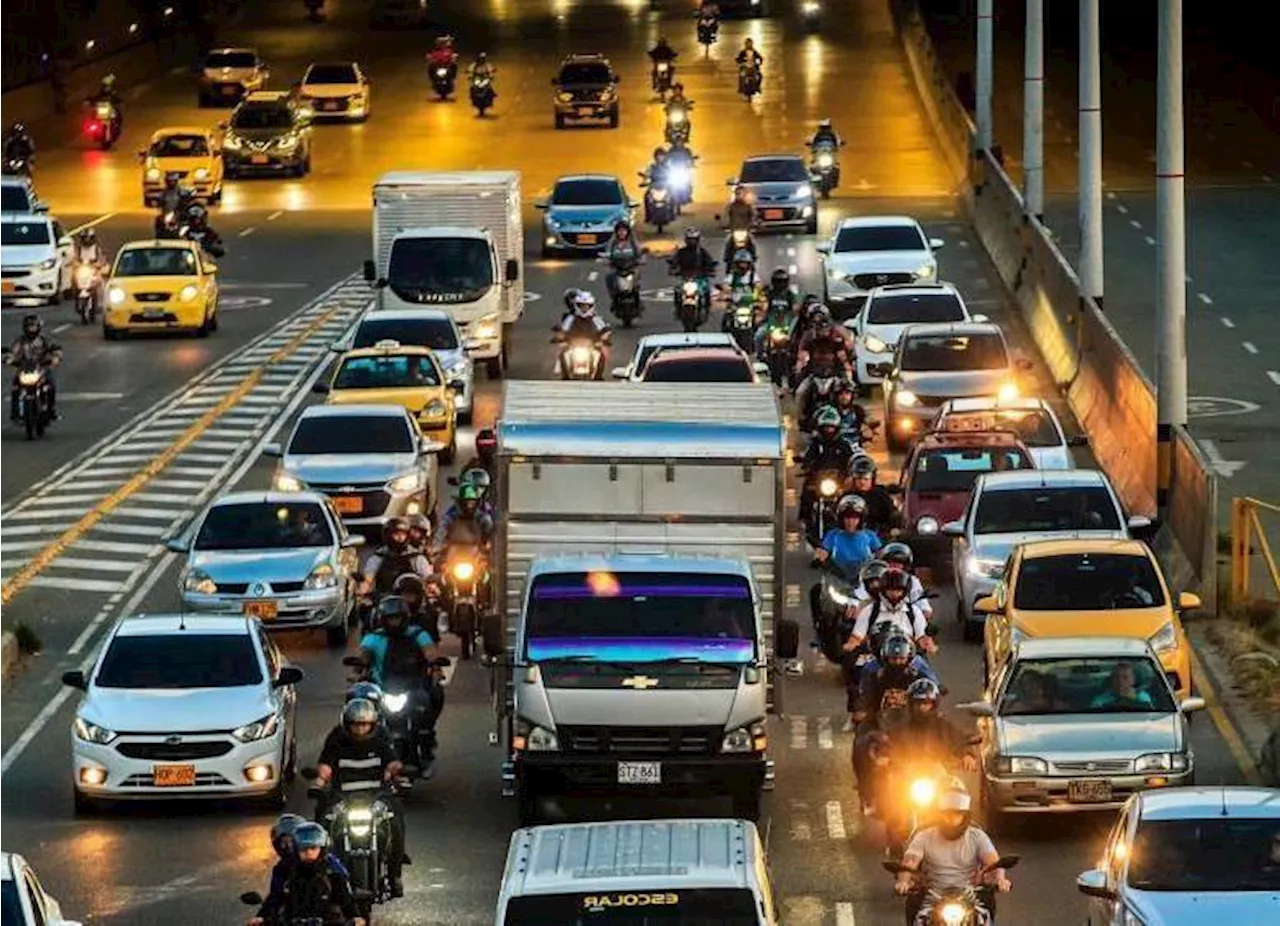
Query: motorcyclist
point(692, 259)
point(662, 51)
point(106, 93)
point(623, 248)
point(400, 656)
point(282, 842)
point(486, 452)
point(748, 56)
point(849, 545)
point(314, 883)
point(358, 758)
point(825, 135)
point(948, 855)
point(853, 417)
point(656, 173)
point(585, 325)
point(425, 600)
point(464, 517)
point(882, 510)
point(196, 219)
point(173, 198)
point(444, 56)
point(890, 610)
point(33, 346)
point(778, 305)
point(740, 287)
point(827, 452)
point(392, 559)
point(825, 342)
point(900, 556)
point(481, 68)
point(18, 144)
point(739, 215)
point(420, 531)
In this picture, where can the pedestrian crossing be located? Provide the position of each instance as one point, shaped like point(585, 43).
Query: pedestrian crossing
point(95, 524)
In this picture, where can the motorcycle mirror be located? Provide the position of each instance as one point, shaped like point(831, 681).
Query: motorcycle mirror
point(1007, 861)
point(251, 899)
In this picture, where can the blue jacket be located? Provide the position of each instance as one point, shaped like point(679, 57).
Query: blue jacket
point(851, 549)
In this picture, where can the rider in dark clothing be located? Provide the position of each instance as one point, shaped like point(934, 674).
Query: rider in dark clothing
point(825, 135)
point(882, 511)
point(313, 884)
point(828, 452)
point(33, 346)
point(692, 259)
point(663, 51)
point(393, 559)
point(748, 54)
point(18, 144)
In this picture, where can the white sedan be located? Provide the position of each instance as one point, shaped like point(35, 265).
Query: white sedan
point(336, 90)
point(1032, 419)
point(23, 901)
point(179, 706)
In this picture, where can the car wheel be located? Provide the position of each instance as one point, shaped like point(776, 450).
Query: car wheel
point(449, 453)
point(204, 329)
point(110, 334)
point(494, 367)
point(559, 121)
point(213, 319)
point(83, 805)
point(614, 118)
point(746, 805)
point(216, 198)
point(464, 417)
point(994, 819)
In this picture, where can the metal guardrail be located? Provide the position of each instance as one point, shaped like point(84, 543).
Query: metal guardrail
point(1246, 530)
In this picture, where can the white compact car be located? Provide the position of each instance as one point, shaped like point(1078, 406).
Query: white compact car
point(890, 309)
point(33, 259)
point(650, 344)
point(335, 90)
point(1030, 417)
point(871, 251)
point(184, 706)
point(23, 901)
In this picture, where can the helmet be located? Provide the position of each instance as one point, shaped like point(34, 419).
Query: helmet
point(819, 314)
point(171, 181)
point(895, 580)
point(285, 826)
point(87, 236)
point(898, 650)
point(873, 572)
point(486, 443)
point(824, 123)
point(743, 256)
point(359, 711)
point(898, 554)
point(444, 41)
point(622, 225)
point(108, 81)
point(584, 304)
point(923, 691)
point(659, 154)
point(197, 213)
point(851, 504)
point(662, 40)
point(477, 477)
point(32, 325)
point(808, 301)
point(482, 57)
point(310, 835)
point(780, 278)
point(862, 465)
point(692, 235)
point(393, 527)
point(419, 524)
point(19, 128)
point(955, 799)
point(469, 492)
point(367, 690)
point(409, 586)
point(748, 43)
point(394, 613)
point(827, 417)
point(844, 387)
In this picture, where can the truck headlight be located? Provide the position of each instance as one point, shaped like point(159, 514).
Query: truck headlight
point(394, 703)
point(750, 738)
point(258, 730)
point(409, 482)
point(906, 398)
point(537, 739)
point(1021, 765)
point(486, 328)
point(927, 526)
point(1164, 639)
point(92, 733)
point(875, 345)
point(323, 576)
point(1161, 762)
point(200, 582)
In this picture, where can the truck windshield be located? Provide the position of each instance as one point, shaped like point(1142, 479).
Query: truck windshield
point(440, 269)
point(696, 907)
point(638, 616)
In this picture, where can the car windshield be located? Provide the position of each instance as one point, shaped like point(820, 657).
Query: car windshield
point(156, 262)
point(397, 371)
point(189, 659)
point(1086, 685)
point(684, 370)
point(1034, 427)
point(352, 434)
point(587, 193)
point(14, 198)
point(268, 116)
point(180, 146)
point(1214, 854)
point(647, 351)
point(264, 526)
point(774, 170)
point(955, 469)
point(451, 268)
point(953, 353)
point(11, 906)
point(435, 333)
point(16, 233)
point(696, 907)
point(1087, 582)
point(330, 74)
point(231, 59)
point(914, 309)
point(585, 74)
point(879, 238)
point(1071, 508)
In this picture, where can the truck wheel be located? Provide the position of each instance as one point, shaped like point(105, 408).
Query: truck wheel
point(746, 806)
point(493, 367)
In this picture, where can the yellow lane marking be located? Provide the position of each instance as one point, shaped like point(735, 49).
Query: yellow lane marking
point(41, 560)
point(1231, 736)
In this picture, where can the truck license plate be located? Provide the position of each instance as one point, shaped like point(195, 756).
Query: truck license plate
point(173, 776)
point(1089, 791)
point(639, 773)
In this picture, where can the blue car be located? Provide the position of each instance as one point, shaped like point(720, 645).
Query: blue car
point(581, 213)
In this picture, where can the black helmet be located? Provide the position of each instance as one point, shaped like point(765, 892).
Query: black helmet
point(895, 580)
point(19, 128)
point(366, 690)
point(844, 386)
point(851, 504)
point(897, 650)
point(923, 691)
point(862, 465)
point(394, 609)
point(873, 572)
point(359, 711)
point(32, 324)
point(391, 528)
point(898, 554)
point(310, 835)
point(409, 587)
point(171, 181)
point(285, 826)
point(621, 225)
point(780, 278)
point(692, 235)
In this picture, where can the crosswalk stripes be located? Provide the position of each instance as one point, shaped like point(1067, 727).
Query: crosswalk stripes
point(108, 556)
point(820, 731)
point(823, 821)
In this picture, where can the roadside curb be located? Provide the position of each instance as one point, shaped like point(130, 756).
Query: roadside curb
point(9, 653)
point(1245, 729)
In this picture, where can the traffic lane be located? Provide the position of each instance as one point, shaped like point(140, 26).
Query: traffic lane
point(275, 263)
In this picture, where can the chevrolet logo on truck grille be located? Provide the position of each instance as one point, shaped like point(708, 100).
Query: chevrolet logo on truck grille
point(640, 682)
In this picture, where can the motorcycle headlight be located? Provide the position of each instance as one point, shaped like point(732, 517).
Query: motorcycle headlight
point(659, 194)
point(463, 570)
point(394, 703)
point(954, 914)
point(690, 288)
point(286, 483)
point(188, 293)
point(923, 791)
point(409, 482)
point(92, 733)
point(751, 738)
point(875, 345)
point(442, 72)
point(828, 487)
point(581, 355)
point(675, 117)
point(199, 581)
point(258, 730)
point(927, 526)
point(84, 276)
point(323, 576)
point(978, 567)
point(360, 821)
point(201, 173)
point(804, 191)
point(48, 263)
point(1008, 392)
point(28, 377)
point(1164, 639)
point(1161, 762)
point(678, 177)
point(826, 160)
point(839, 594)
point(778, 334)
point(1021, 765)
point(434, 409)
point(153, 173)
point(906, 398)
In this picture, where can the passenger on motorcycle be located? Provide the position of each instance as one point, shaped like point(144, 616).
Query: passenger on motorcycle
point(623, 249)
point(891, 610)
point(393, 559)
point(827, 452)
point(852, 415)
point(882, 510)
point(33, 346)
point(949, 855)
point(424, 597)
point(444, 56)
point(359, 759)
point(420, 531)
point(309, 882)
point(898, 555)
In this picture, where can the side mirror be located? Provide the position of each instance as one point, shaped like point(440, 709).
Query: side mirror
point(953, 528)
point(493, 637)
point(351, 541)
point(289, 675)
point(620, 373)
point(987, 605)
point(555, 82)
point(320, 388)
point(937, 244)
point(251, 899)
point(823, 249)
point(224, 125)
point(511, 272)
point(851, 324)
point(632, 204)
point(1080, 440)
point(75, 679)
point(370, 271)
point(338, 347)
point(1191, 705)
point(211, 269)
point(40, 207)
point(978, 708)
point(786, 638)
point(177, 544)
point(1093, 883)
point(272, 450)
point(1189, 601)
point(457, 386)
point(617, 79)
point(1142, 527)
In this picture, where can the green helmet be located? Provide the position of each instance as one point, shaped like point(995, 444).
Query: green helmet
point(468, 492)
point(827, 417)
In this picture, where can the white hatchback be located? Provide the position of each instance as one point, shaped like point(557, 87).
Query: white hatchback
point(1031, 418)
point(890, 309)
point(650, 344)
point(184, 706)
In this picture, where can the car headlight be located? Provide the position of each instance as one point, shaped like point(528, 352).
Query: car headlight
point(978, 567)
point(1161, 762)
point(188, 293)
point(323, 576)
point(565, 97)
point(201, 173)
point(750, 738)
point(927, 525)
point(394, 703)
point(153, 173)
point(538, 739)
point(409, 482)
point(828, 487)
point(287, 143)
point(463, 570)
point(927, 270)
point(875, 345)
point(1008, 392)
point(434, 409)
point(92, 733)
point(1164, 639)
point(906, 398)
point(199, 581)
point(232, 143)
point(954, 914)
point(486, 332)
point(803, 191)
point(1021, 765)
point(286, 483)
point(48, 263)
point(115, 295)
point(258, 730)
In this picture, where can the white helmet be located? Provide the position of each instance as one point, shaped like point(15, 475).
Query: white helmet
point(584, 304)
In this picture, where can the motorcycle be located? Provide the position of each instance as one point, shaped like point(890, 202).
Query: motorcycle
point(749, 80)
point(87, 284)
point(664, 73)
point(464, 570)
point(708, 33)
point(359, 830)
point(482, 93)
point(580, 359)
point(659, 209)
point(680, 178)
point(825, 167)
point(961, 906)
point(821, 392)
point(834, 594)
point(693, 303)
point(17, 167)
point(810, 14)
point(740, 318)
point(442, 81)
point(626, 305)
point(32, 388)
point(254, 899)
point(103, 124)
point(827, 489)
point(411, 737)
point(676, 131)
point(777, 351)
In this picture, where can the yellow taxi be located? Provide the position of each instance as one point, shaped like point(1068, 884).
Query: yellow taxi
point(190, 155)
point(406, 375)
point(1087, 588)
point(161, 286)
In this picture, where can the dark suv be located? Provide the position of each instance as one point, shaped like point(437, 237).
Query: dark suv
point(268, 134)
point(586, 88)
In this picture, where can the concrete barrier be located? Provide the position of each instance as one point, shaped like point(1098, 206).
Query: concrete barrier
point(1107, 391)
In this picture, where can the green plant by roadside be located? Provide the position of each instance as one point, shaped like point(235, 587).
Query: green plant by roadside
point(1250, 637)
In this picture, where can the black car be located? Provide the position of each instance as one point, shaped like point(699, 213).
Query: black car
point(586, 88)
point(267, 134)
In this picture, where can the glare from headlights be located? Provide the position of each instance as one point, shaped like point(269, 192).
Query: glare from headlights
point(953, 914)
point(923, 791)
point(906, 398)
point(463, 571)
point(286, 483)
point(202, 173)
point(828, 487)
point(676, 116)
point(1008, 392)
point(804, 191)
point(824, 160)
point(875, 345)
point(394, 703)
point(188, 293)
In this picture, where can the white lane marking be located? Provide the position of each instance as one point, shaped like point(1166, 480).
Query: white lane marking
point(1221, 465)
point(1275, 376)
point(1150, 240)
point(98, 221)
point(1250, 347)
point(844, 914)
point(1121, 207)
point(835, 821)
point(1135, 223)
point(799, 732)
point(1111, 194)
point(1266, 178)
point(244, 284)
point(61, 328)
point(89, 396)
point(1205, 298)
point(275, 215)
point(247, 232)
point(47, 713)
point(825, 738)
point(800, 829)
point(1228, 323)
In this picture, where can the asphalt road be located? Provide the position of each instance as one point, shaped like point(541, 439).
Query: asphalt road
point(1233, 220)
point(169, 864)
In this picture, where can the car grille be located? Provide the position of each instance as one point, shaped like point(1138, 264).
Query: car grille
point(174, 752)
point(373, 501)
point(140, 318)
point(9, 272)
point(276, 588)
point(1094, 767)
point(869, 280)
point(203, 780)
point(641, 741)
point(152, 297)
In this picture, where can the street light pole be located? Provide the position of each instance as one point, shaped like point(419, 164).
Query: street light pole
point(1033, 111)
point(983, 104)
point(1090, 195)
point(1171, 246)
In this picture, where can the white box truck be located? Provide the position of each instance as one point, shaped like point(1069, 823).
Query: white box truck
point(452, 240)
point(638, 587)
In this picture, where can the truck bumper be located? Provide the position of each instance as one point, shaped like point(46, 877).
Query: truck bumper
point(551, 775)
